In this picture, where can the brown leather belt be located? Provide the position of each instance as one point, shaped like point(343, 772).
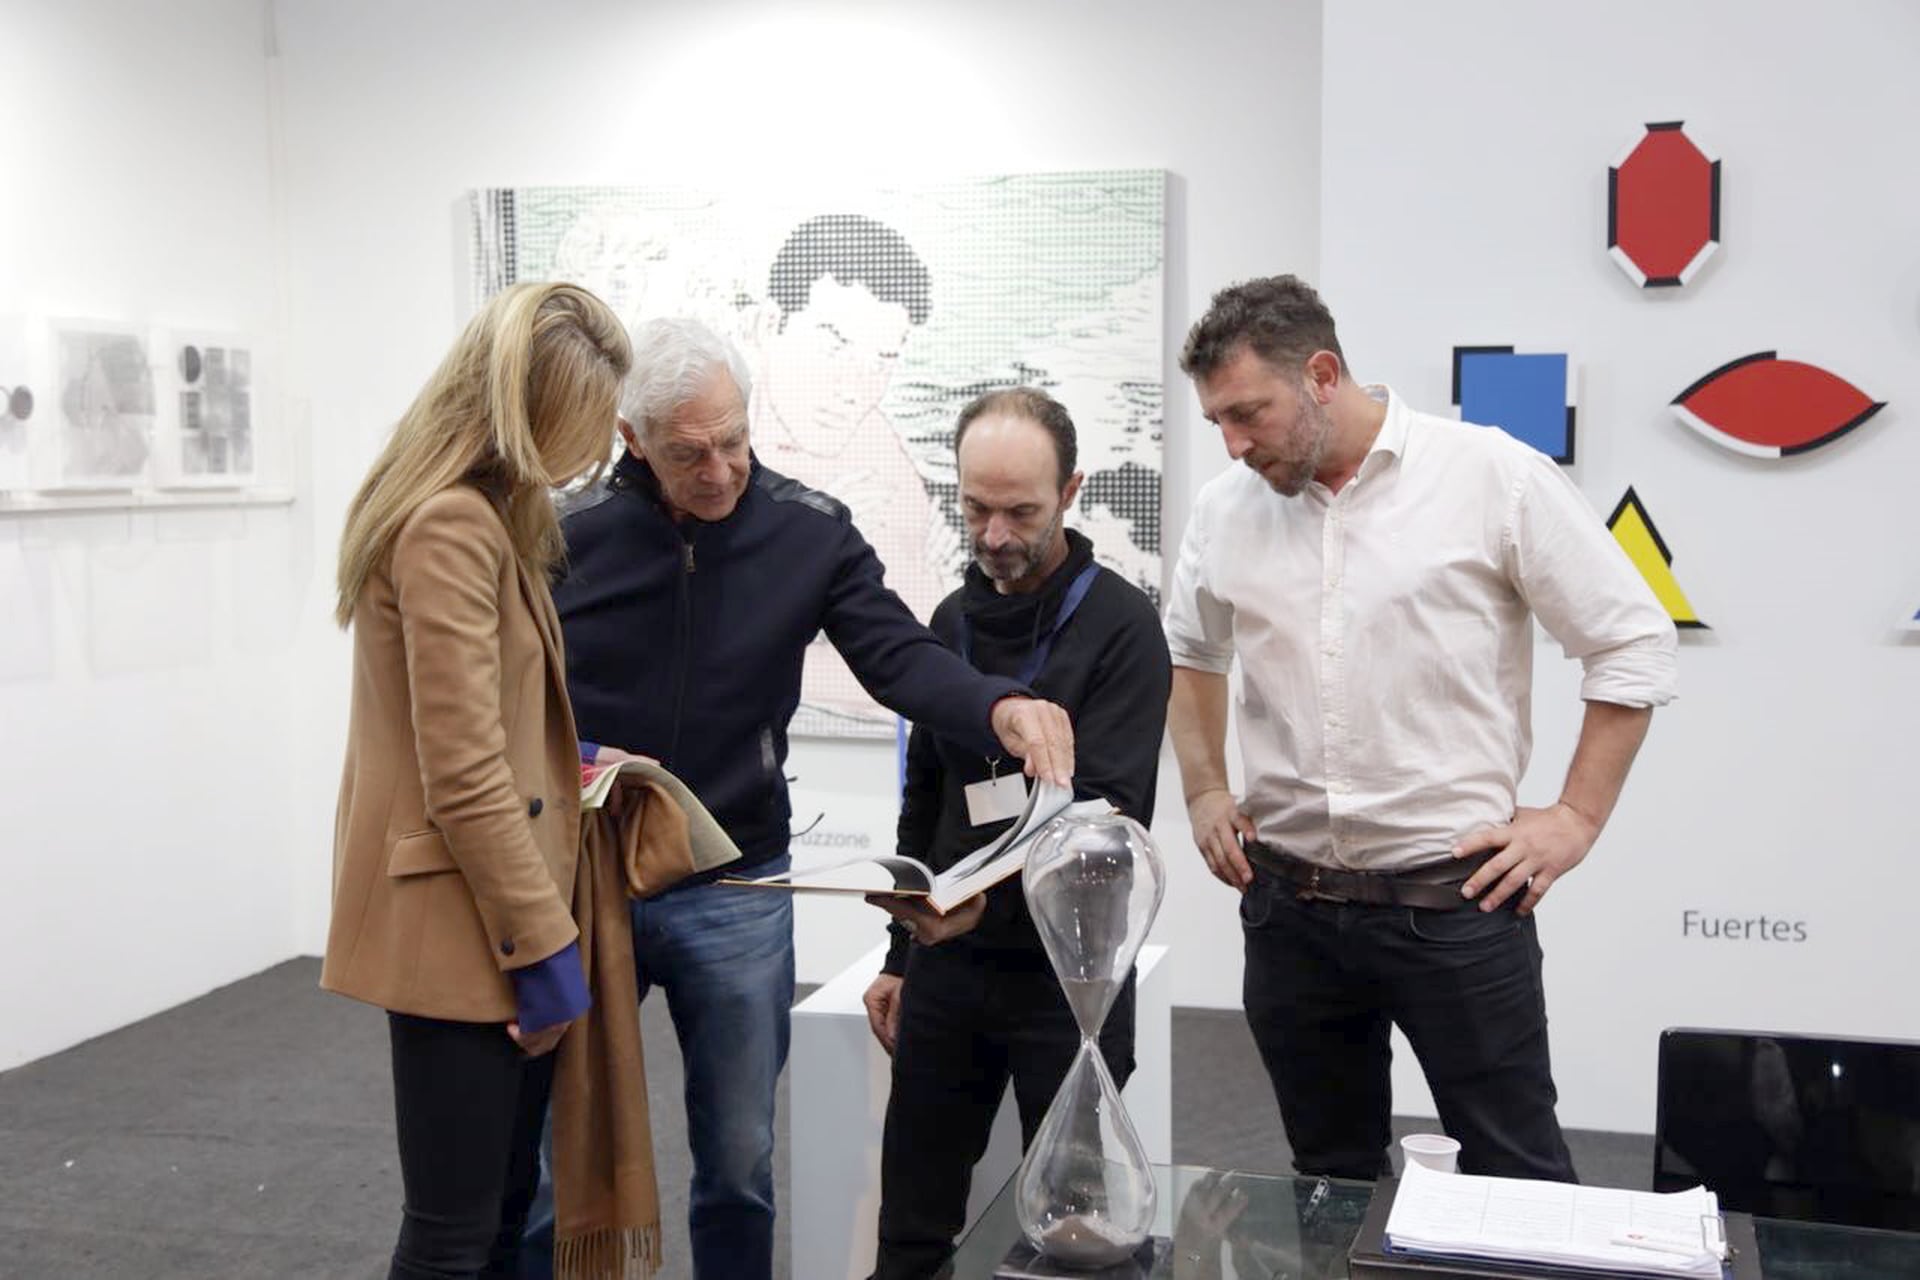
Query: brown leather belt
point(1434, 887)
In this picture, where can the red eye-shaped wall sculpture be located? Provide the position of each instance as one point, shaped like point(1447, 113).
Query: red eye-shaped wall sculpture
point(1769, 408)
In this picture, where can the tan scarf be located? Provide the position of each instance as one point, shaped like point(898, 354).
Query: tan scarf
point(607, 1206)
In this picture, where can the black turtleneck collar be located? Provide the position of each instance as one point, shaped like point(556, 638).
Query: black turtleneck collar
point(1024, 615)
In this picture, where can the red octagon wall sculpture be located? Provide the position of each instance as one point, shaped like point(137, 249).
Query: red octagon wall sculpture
point(1663, 207)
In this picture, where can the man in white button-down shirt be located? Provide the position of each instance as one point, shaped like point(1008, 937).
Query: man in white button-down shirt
point(1376, 571)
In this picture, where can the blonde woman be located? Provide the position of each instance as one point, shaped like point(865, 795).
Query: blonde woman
point(458, 833)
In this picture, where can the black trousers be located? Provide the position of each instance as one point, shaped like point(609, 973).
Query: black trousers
point(971, 1020)
point(1324, 983)
point(468, 1107)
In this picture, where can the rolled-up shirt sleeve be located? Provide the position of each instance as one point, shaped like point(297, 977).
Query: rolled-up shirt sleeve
point(1199, 624)
point(1577, 578)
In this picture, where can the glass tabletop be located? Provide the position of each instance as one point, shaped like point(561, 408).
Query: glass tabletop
point(1225, 1225)
point(1821, 1251)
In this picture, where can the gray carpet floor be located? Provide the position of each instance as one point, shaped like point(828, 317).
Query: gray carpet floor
point(249, 1134)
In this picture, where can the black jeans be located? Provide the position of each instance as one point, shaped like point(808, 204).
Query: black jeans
point(1325, 981)
point(971, 1020)
point(468, 1107)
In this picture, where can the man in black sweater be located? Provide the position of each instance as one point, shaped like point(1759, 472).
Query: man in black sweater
point(695, 578)
point(968, 1002)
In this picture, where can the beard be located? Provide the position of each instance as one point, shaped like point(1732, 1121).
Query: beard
point(1288, 472)
point(1017, 560)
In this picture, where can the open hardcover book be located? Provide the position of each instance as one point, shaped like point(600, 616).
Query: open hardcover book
point(1593, 1231)
point(709, 843)
point(945, 890)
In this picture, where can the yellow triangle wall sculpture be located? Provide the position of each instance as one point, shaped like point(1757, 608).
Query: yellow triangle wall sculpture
point(1633, 528)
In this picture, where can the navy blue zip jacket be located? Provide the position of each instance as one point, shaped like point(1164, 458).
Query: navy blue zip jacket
point(685, 639)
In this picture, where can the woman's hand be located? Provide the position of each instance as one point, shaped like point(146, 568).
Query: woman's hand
point(538, 1044)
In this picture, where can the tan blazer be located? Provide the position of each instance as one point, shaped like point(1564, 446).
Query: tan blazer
point(459, 823)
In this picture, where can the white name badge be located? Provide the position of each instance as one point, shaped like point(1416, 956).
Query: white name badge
point(996, 799)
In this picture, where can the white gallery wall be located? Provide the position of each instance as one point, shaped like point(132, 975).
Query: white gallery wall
point(392, 112)
point(1464, 166)
point(292, 167)
point(144, 657)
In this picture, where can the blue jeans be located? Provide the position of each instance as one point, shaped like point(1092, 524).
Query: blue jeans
point(724, 957)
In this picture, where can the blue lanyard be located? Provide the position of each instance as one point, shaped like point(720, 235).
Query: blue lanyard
point(1030, 669)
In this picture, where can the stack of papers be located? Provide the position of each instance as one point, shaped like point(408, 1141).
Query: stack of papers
point(1597, 1229)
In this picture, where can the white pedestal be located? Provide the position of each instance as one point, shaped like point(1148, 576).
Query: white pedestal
point(838, 1078)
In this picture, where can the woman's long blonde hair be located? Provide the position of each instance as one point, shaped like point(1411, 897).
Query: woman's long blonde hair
point(523, 403)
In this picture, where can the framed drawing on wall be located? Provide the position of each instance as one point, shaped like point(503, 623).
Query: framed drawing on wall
point(103, 407)
point(207, 440)
point(21, 402)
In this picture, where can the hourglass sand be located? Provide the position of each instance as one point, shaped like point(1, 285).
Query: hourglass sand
point(1084, 1195)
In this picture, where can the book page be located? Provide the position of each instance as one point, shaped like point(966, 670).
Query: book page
point(1433, 1208)
point(596, 784)
point(1044, 801)
point(985, 867)
point(1603, 1212)
point(950, 888)
point(882, 873)
point(1527, 1214)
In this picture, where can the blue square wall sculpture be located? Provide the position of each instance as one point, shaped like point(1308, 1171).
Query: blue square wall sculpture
point(1523, 395)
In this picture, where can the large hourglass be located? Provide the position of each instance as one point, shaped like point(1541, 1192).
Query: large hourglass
point(1084, 1195)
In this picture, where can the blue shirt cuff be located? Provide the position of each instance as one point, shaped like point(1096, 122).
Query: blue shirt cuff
point(551, 991)
point(588, 750)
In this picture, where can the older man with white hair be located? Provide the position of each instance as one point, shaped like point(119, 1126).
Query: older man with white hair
point(695, 579)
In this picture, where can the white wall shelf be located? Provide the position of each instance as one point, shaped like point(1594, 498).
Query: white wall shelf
point(38, 504)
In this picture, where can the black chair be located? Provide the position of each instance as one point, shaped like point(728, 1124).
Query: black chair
point(1815, 1128)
